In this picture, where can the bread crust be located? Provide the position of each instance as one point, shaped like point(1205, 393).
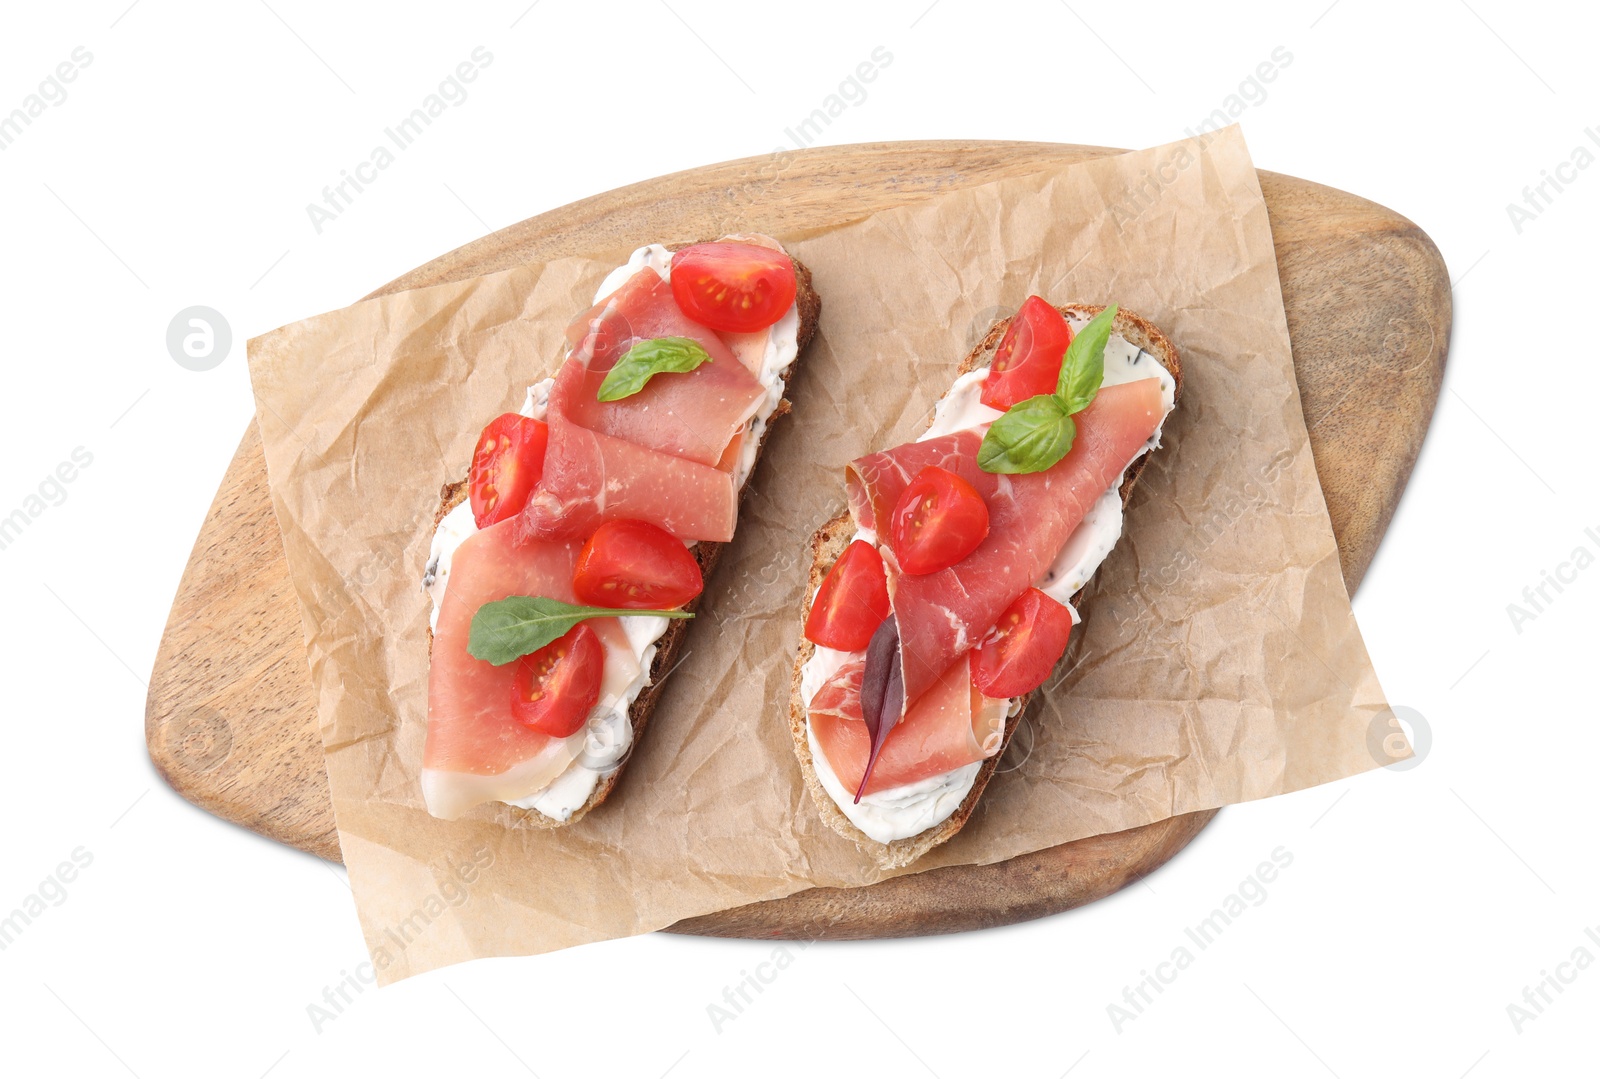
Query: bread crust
point(669, 646)
point(830, 541)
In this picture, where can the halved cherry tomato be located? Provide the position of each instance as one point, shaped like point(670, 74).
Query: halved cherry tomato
point(637, 565)
point(555, 688)
point(852, 602)
point(1028, 361)
point(1024, 646)
point(938, 520)
point(506, 467)
point(740, 288)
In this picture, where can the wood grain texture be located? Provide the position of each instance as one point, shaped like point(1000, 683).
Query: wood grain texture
point(955, 898)
point(231, 716)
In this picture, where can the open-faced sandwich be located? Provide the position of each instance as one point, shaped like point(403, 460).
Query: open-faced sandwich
point(945, 596)
point(564, 567)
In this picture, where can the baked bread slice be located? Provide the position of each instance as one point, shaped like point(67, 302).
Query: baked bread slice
point(669, 646)
point(830, 541)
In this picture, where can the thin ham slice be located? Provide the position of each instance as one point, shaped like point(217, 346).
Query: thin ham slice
point(750, 348)
point(943, 615)
point(690, 414)
point(950, 725)
point(591, 477)
point(476, 750)
point(664, 455)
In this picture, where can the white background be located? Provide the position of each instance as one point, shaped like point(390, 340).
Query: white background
point(1418, 905)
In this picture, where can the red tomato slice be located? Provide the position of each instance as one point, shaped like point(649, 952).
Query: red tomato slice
point(1024, 646)
point(852, 602)
point(1028, 361)
point(938, 520)
point(636, 565)
point(740, 288)
point(556, 687)
point(506, 467)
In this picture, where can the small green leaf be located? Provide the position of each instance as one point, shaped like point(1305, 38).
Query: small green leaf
point(1030, 437)
point(511, 628)
point(645, 360)
point(1084, 366)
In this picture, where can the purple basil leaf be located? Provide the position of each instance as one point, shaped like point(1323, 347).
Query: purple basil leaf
point(883, 691)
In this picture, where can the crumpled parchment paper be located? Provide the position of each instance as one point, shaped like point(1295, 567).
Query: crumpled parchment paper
point(1219, 660)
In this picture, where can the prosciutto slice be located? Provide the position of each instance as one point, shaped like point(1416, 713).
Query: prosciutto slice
point(666, 454)
point(749, 348)
point(943, 615)
point(591, 477)
point(476, 750)
point(950, 725)
point(690, 414)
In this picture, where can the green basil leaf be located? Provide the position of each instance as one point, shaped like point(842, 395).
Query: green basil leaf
point(645, 360)
point(511, 628)
point(1030, 437)
point(1084, 367)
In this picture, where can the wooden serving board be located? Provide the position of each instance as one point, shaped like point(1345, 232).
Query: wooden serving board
point(231, 716)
